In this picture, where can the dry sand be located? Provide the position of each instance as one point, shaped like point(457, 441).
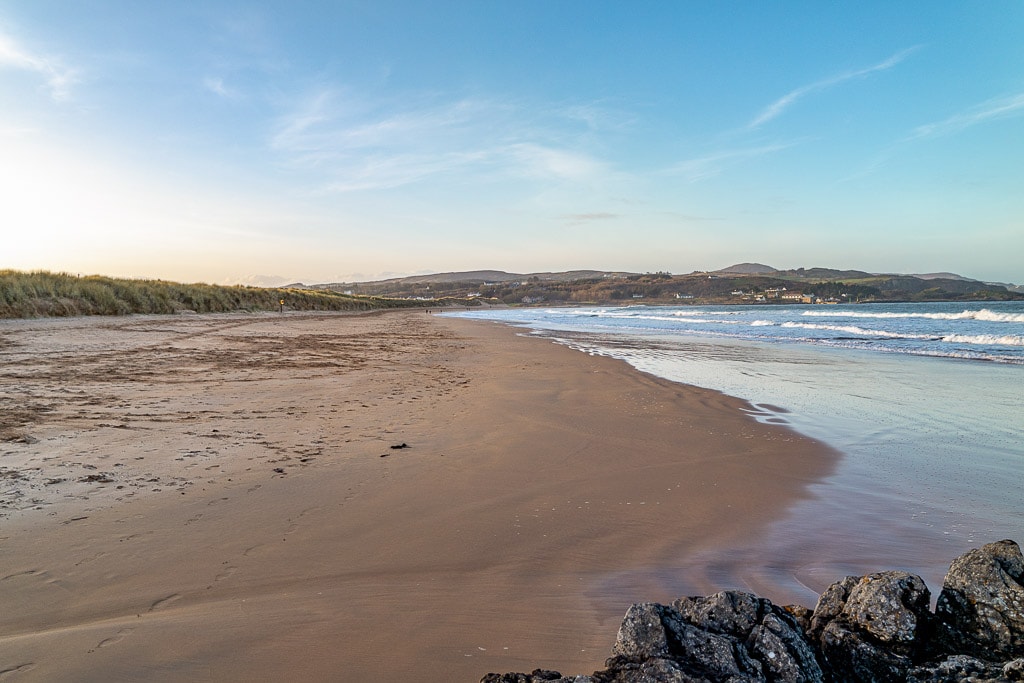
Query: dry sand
point(216, 498)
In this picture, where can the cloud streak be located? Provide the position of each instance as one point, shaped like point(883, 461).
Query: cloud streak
point(358, 145)
point(217, 86)
point(776, 108)
point(989, 110)
point(578, 218)
point(713, 164)
point(59, 78)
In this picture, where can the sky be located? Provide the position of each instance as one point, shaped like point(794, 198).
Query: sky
point(276, 142)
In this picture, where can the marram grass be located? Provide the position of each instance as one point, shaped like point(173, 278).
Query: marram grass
point(43, 294)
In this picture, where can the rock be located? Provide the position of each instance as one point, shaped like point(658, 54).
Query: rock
point(769, 642)
point(849, 656)
point(704, 654)
point(875, 628)
point(538, 676)
point(872, 628)
point(801, 615)
point(830, 605)
point(1014, 671)
point(784, 651)
point(892, 608)
point(641, 634)
point(728, 612)
point(981, 606)
point(956, 669)
point(650, 671)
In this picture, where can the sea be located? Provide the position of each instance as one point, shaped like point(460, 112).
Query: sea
point(924, 402)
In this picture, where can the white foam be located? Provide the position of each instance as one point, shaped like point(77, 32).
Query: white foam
point(987, 339)
point(662, 318)
point(853, 329)
point(983, 314)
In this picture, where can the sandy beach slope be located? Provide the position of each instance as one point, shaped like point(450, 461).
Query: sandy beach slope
point(217, 498)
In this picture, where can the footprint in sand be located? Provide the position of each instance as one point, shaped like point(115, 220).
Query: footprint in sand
point(163, 602)
point(225, 573)
point(27, 572)
point(245, 553)
point(113, 640)
point(15, 670)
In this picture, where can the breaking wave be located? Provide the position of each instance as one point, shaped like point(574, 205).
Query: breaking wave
point(853, 329)
point(987, 339)
point(983, 314)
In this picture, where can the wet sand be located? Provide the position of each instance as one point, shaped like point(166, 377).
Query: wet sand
point(218, 497)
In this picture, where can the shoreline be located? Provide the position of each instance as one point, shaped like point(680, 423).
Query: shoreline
point(483, 546)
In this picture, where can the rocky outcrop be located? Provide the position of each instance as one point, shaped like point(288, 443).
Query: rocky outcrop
point(873, 628)
point(981, 606)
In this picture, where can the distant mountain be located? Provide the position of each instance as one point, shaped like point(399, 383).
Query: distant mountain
point(941, 276)
point(482, 276)
point(1008, 285)
point(739, 283)
point(467, 276)
point(825, 274)
point(748, 269)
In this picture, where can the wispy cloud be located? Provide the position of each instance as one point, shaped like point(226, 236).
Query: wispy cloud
point(689, 217)
point(713, 164)
point(360, 145)
point(578, 218)
point(989, 110)
point(58, 77)
point(383, 172)
point(598, 117)
point(217, 86)
point(780, 105)
point(546, 162)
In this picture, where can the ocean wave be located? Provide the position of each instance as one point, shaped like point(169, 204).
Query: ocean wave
point(929, 352)
point(853, 329)
point(986, 339)
point(673, 319)
point(761, 323)
point(984, 315)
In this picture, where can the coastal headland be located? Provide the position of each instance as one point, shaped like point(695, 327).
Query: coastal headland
point(323, 497)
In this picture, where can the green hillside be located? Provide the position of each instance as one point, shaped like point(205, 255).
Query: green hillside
point(44, 294)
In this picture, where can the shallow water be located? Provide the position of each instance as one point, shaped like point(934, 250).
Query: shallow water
point(932, 437)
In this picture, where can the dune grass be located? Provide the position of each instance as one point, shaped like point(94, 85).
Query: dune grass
point(44, 294)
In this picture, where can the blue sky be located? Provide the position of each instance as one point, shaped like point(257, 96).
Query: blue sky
point(270, 142)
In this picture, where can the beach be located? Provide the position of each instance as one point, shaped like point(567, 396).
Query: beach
point(349, 497)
